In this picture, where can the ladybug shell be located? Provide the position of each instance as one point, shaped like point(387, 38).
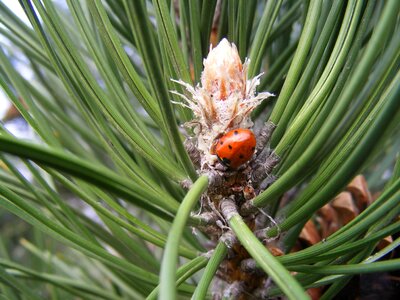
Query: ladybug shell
point(235, 148)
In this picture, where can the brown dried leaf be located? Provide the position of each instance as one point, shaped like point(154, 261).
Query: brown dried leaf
point(11, 113)
point(214, 37)
point(384, 242)
point(328, 220)
point(310, 234)
point(315, 293)
point(359, 189)
point(345, 207)
point(275, 251)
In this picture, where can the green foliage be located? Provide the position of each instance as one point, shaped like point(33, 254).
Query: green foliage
point(97, 192)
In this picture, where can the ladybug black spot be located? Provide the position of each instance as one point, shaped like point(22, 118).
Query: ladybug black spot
point(241, 156)
point(221, 142)
point(236, 132)
point(230, 147)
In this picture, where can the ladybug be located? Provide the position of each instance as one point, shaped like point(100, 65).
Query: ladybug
point(235, 148)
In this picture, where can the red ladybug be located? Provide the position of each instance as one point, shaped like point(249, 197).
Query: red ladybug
point(235, 147)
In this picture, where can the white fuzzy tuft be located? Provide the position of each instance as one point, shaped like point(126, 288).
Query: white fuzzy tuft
point(225, 98)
